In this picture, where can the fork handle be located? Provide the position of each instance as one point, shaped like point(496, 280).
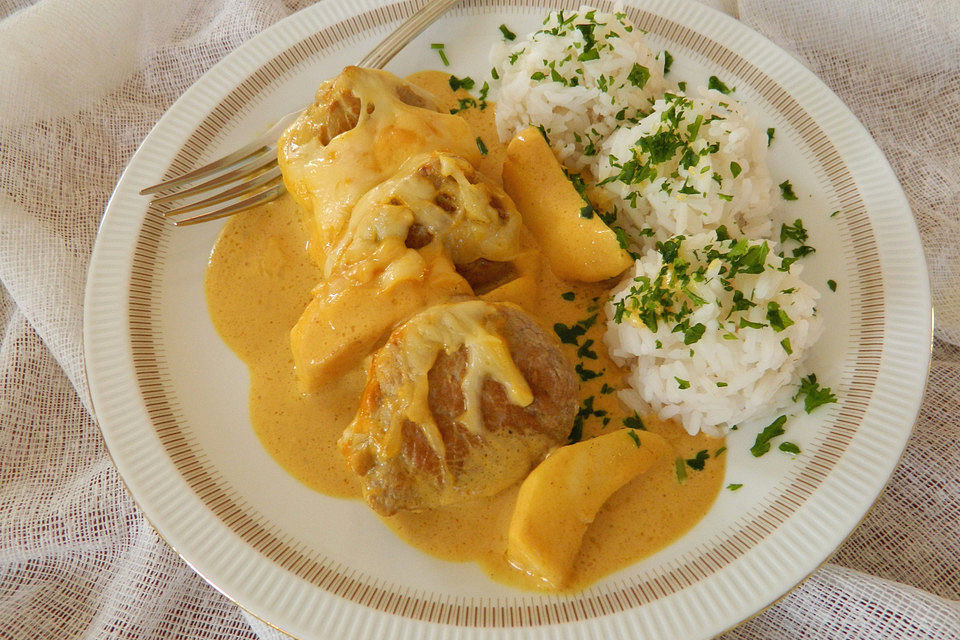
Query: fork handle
point(414, 25)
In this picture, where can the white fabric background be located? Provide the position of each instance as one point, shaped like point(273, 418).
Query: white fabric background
point(82, 82)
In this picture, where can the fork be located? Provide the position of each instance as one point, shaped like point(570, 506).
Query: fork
point(250, 176)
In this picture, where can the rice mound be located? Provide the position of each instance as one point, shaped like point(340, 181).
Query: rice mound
point(711, 322)
point(578, 77)
point(712, 331)
point(691, 165)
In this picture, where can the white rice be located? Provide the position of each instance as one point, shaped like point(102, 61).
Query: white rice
point(552, 79)
point(735, 372)
point(698, 173)
point(717, 177)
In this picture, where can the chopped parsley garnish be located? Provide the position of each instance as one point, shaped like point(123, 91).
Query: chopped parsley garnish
point(832, 284)
point(589, 321)
point(762, 443)
point(463, 104)
point(785, 343)
point(786, 191)
point(795, 231)
point(458, 83)
point(719, 451)
point(586, 374)
point(590, 54)
point(584, 350)
point(813, 394)
point(694, 333)
point(777, 317)
point(438, 46)
point(633, 436)
point(789, 447)
point(715, 83)
point(568, 335)
point(507, 34)
point(638, 75)
point(481, 146)
point(721, 384)
point(680, 467)
point(771, 133)
point(667, 62)
point(568, 296)
point(735, 169)
point(697, 463)
point(683, 384)
point(634, 422)
point(733, 486)
point(746, 324)
point(587, 210)
point(833, 214)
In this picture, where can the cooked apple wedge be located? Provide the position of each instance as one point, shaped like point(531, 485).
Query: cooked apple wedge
point(563, 494)
point(577, 247)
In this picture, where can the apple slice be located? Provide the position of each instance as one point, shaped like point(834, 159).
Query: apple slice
point(563, 494)
point(577, 247)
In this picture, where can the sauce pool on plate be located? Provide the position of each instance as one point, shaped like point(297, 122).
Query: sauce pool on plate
point(259, 280)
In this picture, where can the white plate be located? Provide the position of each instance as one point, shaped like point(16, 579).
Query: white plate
point(171, 398)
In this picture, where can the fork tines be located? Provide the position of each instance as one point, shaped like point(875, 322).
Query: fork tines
point(245, 178)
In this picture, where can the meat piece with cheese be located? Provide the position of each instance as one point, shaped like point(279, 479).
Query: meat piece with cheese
point(463, 400)
point(435, 230)
point(363, 125)
point(438, 197)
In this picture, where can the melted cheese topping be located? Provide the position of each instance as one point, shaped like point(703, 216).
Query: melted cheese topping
point(259, 280)
point(448, 199)
point(364, 126)
point(448, 328)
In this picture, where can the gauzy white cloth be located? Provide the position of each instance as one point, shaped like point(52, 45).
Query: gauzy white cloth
point(83, 81)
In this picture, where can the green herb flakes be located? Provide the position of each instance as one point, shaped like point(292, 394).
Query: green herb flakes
point(694, 333)
point(633, 436)
point(638, 75)
point(777, 317)
point(680, 468)
point(634, 422)
point(481, 146)
point(813, 395)
point(461, 83)
point(568, 296)
point(715, 83)
point(667, 62)
point(586, 374)
point(786, 191)
point(699, 461)
point(438, 46)
point(771, 133)
point(683, 384)
point(507, 34)
point(733, 486)
point(832, 284)
point(584, 351)
point(789, 447)
point(568, 335)
point(762, 443)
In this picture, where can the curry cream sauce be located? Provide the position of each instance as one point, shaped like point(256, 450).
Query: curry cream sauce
point(260, 279)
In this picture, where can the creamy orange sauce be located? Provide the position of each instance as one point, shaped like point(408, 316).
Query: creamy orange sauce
point(260, 279)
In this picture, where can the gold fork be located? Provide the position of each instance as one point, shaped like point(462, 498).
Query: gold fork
point(250, 176)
